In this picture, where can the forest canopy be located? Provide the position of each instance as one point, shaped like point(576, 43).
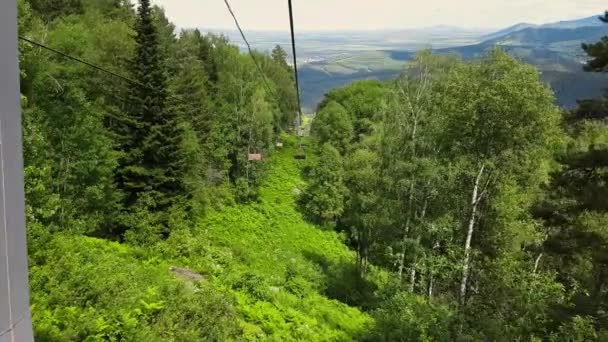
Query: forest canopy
point(174, 203)
point(466, 183)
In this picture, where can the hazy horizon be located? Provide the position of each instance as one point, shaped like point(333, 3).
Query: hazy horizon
point(386, 15)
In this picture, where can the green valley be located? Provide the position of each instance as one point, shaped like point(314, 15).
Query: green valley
point(553, 48)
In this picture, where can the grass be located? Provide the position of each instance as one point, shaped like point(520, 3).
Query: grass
point(268, 275)
point(279, 266)
point(87, 289)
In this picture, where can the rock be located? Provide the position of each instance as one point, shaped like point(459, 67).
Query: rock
point(187, 274)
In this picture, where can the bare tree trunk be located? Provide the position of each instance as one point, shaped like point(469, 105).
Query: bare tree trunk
point(413, 269)
point(406, 231)
point(359, 253)
point(431, 275)
point(413, 109)
point(365, 264)
point(420, 218)
point(402, 254)
point(365, 250)
point(413, 277)
point(467, 245)
point(537, 262)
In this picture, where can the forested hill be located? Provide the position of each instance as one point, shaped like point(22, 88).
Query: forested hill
point(482, 200)
point(168, 199)
point(267, 274)
point(140, 160)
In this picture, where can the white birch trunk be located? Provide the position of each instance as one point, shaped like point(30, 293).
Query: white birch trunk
point(406, 231)
point(431, 275)
point(467, 245)
point(402, 254)
point(413, 277)
point(415, 263)
point(537, 262)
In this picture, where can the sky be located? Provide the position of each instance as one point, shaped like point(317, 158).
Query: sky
point(334, 15)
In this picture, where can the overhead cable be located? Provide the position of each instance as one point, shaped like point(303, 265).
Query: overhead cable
point(251, 53)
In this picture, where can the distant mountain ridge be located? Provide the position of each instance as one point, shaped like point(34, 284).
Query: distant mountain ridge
point(577, 23)
point(592, 21)
point(544, 36)
point(553, 48)
point(506, 31)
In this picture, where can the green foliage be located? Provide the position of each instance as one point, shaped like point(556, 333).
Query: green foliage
point(407, 317)
point(280, 267)
point(333, 125)
point(87, 289)
point(324, 197)
point(51, 9)
point(280, 57)
point(364, 102)
point(471, 215)
point(149, 133)
point(574, 212)
point(363, 211)
point(458, 144)
point(109, 159)
point(578, 329)
point(598, 52)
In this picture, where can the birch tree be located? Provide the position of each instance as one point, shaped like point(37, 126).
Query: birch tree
point(500, 123)
point(409, 157)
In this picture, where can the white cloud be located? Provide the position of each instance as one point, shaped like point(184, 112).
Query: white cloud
point(377, 14)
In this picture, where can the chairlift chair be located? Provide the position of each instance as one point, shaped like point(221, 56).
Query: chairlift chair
point(254, 157)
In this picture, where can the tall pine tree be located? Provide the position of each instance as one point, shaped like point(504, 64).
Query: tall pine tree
point(598, 52)
point(280, 57)
point(150, 133)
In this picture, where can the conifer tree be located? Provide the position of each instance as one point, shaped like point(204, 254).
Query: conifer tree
point(150, 134)
point(598, 52)
point(280, 57)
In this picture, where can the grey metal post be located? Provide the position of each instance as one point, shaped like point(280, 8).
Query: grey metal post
point(15, 319)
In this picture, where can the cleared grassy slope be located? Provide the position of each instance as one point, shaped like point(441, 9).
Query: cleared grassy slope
point(87, 289)
point(268, 274)
point(278, 265)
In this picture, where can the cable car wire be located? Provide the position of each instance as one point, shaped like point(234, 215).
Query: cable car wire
point(295, 66)
point(101, 69)
point(251, 53)
point(76, 59)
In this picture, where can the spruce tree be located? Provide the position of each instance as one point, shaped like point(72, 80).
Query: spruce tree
point(598, 52)
point(150, 134)
point(280, 57)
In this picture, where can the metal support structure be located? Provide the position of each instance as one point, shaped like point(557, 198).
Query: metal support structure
point(15, 319)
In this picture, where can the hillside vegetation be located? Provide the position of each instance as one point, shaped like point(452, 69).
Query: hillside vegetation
point(456, 202)
point(480, 198)
point(268, 275)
